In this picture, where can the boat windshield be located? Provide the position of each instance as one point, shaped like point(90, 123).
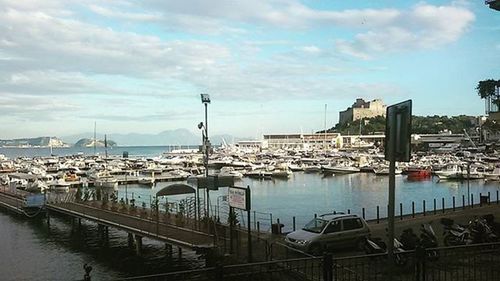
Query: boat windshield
point(316, 225)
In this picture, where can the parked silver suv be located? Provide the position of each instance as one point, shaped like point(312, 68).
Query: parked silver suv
point(329, 231)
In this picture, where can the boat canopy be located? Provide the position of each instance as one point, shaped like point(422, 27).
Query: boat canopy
point(176, 189)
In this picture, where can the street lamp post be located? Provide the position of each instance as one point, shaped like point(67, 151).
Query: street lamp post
point(205, 99)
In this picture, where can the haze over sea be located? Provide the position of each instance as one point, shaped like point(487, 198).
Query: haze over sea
point(60, 255)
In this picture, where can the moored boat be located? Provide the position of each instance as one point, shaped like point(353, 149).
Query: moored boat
point(450, 172)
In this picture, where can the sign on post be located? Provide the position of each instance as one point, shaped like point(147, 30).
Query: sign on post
point(239, 198)
point(215, 181)
point(398, 130)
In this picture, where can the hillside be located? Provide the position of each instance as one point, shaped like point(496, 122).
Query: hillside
point(33, 142)
point(90, 143)
point(420, 125)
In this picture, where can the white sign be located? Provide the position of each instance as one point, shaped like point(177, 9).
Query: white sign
point(237, 198)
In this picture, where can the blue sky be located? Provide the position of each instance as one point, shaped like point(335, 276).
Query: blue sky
point(270, 66)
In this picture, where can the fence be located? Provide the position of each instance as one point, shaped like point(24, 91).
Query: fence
point(414, 209)
point(479, 262)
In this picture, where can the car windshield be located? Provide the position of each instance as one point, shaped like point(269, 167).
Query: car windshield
point(316, 225)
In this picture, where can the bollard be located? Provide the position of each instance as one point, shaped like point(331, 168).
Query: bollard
point(315, 215)
point(442, 204)
point(423, 207)
point(348, 211)
point(413, 209)
point(472, 200)
point(363, 211)
point(293, 223)
point(378, 214)
point(453, 203)
point(434, 206)
point(463, 202)
point(401, 211)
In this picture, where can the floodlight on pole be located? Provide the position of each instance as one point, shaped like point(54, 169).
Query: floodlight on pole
point(205, 99)
point(493, 4)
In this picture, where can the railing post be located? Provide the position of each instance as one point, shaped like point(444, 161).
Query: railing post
point(442, 204)
point(348, 211)
point(315, 215)
point(472, 200)
point(480, 199)
point(497, 197)
point(363, 211)
point(413, 209)
point(378, 214)
point(463, 202)
point(434, 206)
point(328, 267)
point(453, 203)
point(401, 211)
point(293, 223)
point(258, 229)
point(423, 207)
point(489, 198)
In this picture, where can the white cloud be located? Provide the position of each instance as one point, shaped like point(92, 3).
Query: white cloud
point(424, 26)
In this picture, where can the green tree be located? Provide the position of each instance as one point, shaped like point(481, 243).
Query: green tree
point(489, 88)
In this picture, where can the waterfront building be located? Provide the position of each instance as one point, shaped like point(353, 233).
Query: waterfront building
point(303, 141)
point(362, 109)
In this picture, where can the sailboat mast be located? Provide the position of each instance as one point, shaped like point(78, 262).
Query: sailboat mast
point(95, 139)
point(324, 140)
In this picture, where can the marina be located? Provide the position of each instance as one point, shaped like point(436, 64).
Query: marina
point(309, 193)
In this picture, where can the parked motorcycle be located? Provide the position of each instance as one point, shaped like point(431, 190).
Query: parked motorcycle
point(377, 246)
point(428, 239)
point(409, 239)
point(477, 231)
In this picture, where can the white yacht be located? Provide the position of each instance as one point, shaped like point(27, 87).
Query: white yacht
point(340, 169)
point(281, 173)
point(450, 171)
point(493, 176)
point(230, 172)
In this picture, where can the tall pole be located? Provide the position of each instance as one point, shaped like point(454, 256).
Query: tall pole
point(95, 125)
point(324, 141)
point(206, 157)
point(392, 191)
point(468, 183)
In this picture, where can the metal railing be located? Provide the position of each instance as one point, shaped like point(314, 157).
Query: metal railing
point(479, 262)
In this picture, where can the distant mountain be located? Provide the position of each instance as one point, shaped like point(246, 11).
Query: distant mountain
point(168, 137)
point(33, 142)
point(90, 143)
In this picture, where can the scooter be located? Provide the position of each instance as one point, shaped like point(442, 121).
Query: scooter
point(455, 234)
point(377, 246)
point(428, 239)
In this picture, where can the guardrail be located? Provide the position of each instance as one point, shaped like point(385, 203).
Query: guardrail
point(480, 262)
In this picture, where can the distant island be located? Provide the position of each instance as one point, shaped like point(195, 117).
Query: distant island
point(90, 143)
point(34, 142)
point(44, 142)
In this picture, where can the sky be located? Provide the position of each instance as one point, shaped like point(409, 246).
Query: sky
point(269, 66)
